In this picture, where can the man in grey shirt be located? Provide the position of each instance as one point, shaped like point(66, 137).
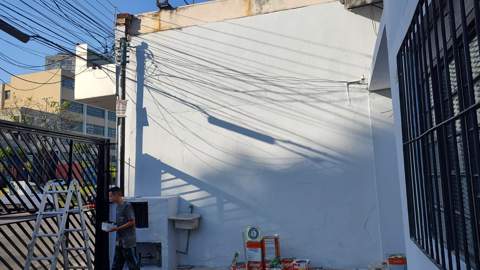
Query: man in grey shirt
point(125, 227)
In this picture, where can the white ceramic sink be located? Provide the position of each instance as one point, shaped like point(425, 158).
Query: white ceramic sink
point(186, 221)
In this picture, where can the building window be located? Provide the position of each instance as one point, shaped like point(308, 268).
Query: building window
point(112, 116)
point(73, 106)
point(439, 77)
point(95, 130)
point(75, 126)
point(7, 94)
point(112, 132)
point(96, 112)
point(68, 83)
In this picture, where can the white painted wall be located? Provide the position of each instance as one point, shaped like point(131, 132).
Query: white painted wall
point(386, 173)
point(249, 120)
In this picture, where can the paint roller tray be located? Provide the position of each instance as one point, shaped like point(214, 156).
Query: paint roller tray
point(186, 221)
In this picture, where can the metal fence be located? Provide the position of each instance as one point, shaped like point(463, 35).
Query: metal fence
point(29, 158)
point(439, 76)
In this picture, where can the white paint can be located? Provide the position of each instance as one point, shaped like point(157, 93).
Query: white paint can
point(397, 262)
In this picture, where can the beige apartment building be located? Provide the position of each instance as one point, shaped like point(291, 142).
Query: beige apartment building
point(38, 89)
point(47, 99)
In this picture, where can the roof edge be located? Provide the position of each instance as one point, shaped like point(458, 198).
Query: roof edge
point(212, 11)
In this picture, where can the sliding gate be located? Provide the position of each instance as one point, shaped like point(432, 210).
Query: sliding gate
point(29, 158)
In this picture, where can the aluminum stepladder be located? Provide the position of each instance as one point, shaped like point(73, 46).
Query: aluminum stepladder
point(72, 195)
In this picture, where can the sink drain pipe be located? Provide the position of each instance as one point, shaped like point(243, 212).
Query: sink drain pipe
point(187, 246)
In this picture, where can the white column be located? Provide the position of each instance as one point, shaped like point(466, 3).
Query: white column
point(105, 124)
point(84, 118)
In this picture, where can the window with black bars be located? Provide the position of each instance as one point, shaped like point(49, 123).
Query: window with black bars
point(439, 79)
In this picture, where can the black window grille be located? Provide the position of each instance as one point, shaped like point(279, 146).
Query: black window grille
point(438, 69)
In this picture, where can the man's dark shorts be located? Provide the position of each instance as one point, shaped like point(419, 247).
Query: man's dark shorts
point(125, 255)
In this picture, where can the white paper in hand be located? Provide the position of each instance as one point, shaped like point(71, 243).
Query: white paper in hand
point(106, 227)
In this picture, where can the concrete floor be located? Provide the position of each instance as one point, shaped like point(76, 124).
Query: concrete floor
point(195, 268)
point(207, 268)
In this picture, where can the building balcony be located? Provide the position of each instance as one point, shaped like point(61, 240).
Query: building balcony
point(95, 81)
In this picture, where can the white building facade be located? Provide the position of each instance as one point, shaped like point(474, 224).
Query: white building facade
point(258, 113)
point(433, 77)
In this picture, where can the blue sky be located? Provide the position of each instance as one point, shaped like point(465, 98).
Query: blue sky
point(14, 55)
point(137, 6)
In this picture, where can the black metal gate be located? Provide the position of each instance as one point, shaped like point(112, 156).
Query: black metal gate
point(30, 157)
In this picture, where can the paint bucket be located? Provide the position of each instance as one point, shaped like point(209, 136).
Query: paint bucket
point(238, 266)
point(270, 252)
point(397, 262)
point(301, 264)
point(287, 263)
point(253, 252)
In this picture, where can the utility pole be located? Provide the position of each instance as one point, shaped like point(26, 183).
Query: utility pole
point(122, 24)
point(2, 97)
point(123, 83)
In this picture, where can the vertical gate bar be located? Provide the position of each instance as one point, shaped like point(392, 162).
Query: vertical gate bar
point(432, 21)
point(428, 67)
point(437, 103)
point(417, 91)
point(102, 207)
point(413, 156)
point(408, 60)
point(70, 162)
point(404, 120)
point(426, 70)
